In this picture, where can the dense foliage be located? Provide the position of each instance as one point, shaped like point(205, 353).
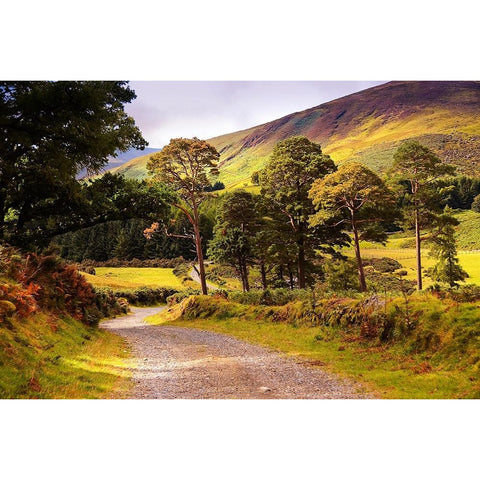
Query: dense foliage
point(186, 166)
point(31, 282)
point(285, 182)
point(50, 132)
point(357, 199)
point(420, 169)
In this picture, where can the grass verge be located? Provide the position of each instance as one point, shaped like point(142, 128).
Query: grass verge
point(47, 357)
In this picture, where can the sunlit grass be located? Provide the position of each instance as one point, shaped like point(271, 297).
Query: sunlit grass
point(130, 278)
point(46, 357)
point(470, 261)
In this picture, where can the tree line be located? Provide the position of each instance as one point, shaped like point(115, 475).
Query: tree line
point(308, 207)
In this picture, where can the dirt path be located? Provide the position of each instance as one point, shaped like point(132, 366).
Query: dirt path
point(194, 275)
point(175, 362)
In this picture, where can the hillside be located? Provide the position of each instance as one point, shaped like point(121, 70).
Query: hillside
point(365, 126)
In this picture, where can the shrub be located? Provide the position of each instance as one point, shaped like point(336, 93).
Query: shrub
point(383, 265)
point(46, 282)
point(277, 296)
point(140, 296)
point(22, 299)
point(178, 297)
point(341, 275)
point(461, 294)
point(87, 269)
point(134, 263)
point(476, 204)
point(182, 270)
point(381, 282)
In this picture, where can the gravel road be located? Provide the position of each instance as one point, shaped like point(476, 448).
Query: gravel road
point(176, 362)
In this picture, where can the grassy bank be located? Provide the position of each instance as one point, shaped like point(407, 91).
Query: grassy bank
point(42, 356)
point(438, 359)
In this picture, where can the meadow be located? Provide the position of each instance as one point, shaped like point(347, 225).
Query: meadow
point(124, 278)
point(469, 260)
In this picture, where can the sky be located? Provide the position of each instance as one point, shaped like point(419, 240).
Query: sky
point(205, 109)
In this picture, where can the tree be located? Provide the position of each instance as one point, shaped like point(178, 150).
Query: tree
point(420, 168)
point(476, 204)
point(235, 234)
point(51, 131)
point(356, 198)
point(463, 192)
point(185, 165)
point(231, 246)
point(255, 177)
point(294, 165)
point(444, 250)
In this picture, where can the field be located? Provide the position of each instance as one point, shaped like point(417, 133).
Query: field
point(131, 278)
point(469, 260)
point(400, 248)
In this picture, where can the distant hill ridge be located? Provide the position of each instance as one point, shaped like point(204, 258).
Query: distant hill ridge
point(366, 126)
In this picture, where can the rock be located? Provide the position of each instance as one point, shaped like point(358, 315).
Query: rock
point(265, 389)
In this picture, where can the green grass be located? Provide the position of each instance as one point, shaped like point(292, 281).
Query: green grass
point(47, 357)
point(131, 278)
point(385, 370)
point(468, 232)
point(468, 243)
point(470, 261)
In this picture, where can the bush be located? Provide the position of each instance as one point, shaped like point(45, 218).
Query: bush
point(476, 204)
point(178, 297)
point(182, 270)
point(46, 282)
point(341, 275)
point(462, 294)
point(381, 282)
point(383, 265)
point(87, 269)
point(277, 296)
point(134, 263)
point(141, 296)
point(18, 299)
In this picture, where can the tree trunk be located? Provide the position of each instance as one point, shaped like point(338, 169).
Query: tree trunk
point(301, 259)
point(280, 274)
point(3, 199)
point(290, 275)
point(242, 269)
point(361, 273)
point(245, 276)
point(264, 276)
point(418, 249)
point(201, 265)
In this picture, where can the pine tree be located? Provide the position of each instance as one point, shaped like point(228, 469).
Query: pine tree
point(444, 250)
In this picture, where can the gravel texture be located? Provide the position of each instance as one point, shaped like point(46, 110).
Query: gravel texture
point(175, 362)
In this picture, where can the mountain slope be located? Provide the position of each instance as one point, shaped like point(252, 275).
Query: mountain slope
point(366, 126)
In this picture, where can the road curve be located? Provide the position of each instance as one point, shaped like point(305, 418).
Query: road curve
point(175, 362)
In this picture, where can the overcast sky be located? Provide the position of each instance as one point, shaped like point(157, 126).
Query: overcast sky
point(165, 110)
